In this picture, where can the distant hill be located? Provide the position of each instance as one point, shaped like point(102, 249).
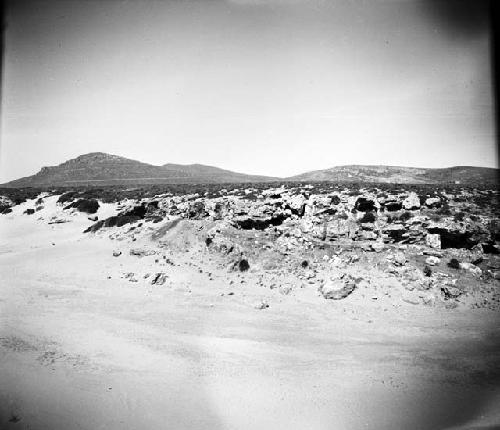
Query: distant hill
point(98, 168)
point(402, 175)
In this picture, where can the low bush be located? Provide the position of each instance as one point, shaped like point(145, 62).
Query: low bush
point(83, 205)
point(405, 216)
point(368, 217)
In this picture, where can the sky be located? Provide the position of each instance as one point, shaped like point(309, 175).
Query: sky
point(275, 87)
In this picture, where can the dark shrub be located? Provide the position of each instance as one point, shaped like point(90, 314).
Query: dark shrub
point(335, 200)
point(304, 264)
point(454, 263)
point(250, 196)
point(114, 221)
point(29, 211)
point(368, 217)
point(88, 206)
point(364, 205)
point(243, 265)
point(208, 241)
point(260, 224)
point(136, 211)
point(67, 197)
point(4, 209)
point(427, 271)
point(152, 205)
point(405, 216)
point(444, 209)
point(454, 239)
point(393, 206)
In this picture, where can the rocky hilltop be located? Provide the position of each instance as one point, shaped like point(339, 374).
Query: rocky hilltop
point(402, 175)
point(101, 169)
point(98, 168)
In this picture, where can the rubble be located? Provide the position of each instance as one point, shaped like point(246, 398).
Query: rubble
point(303, 235)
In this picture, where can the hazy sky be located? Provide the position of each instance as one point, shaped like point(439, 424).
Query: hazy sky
point(273, 87)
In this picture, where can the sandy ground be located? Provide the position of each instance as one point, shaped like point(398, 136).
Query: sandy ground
point(83, 348)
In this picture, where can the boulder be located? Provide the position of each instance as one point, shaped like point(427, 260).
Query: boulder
point(367, 235)
point(377, 246)
point(429, 299)
point(432, 261)
point(411, 297)
point(411, 202)
point(433, 241)
point(337, 289)
point(450, 291)
point(433, 202)
point(399, 259)
point(476, 271)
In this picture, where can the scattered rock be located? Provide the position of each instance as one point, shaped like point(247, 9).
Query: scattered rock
point(142, 252)
point(117, 253)
point(262, 305)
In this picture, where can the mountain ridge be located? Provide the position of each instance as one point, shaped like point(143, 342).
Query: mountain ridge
point(99, 168)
